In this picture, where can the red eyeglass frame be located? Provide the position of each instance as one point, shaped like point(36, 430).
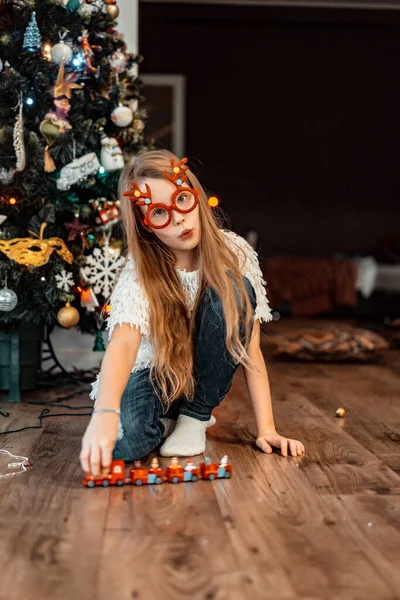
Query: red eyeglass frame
point(144, 199)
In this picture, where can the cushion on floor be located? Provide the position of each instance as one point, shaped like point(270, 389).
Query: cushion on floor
point(331, 343)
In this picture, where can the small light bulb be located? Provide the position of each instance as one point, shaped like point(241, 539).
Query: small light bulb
point(213, 201)
point(43, 278)
point(12, 201)
point(47, 51)
point(102, 170)
point(111, 251)
point(29, 101)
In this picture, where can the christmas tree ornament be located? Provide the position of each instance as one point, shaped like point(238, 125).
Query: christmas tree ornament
point(116, 245)
point(50, 132)
point(95, 4)
point(133, 104)
point(138, 125)
point(61, 52)
point(74, 5)
point(118, 61)
point(76, 228)
point(55, 122)
point(78, 170)
point(99, 342)
point(87, 50)
point(122, 116)
point(32, 38)
point(340, 412)
point(65, 280)
point(71, 6)
point(8, 298)
point(108, 212)
point(18, 138)
point(68, 316)
point(63, 92)
point(35, 252)
point(89, 299)
point(102, 267)
point(91, 6)
point(111, 157)
point(6, 175)
point(111, 9)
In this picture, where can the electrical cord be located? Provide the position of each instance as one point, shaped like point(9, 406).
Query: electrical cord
point(45, 413)
point(57, 401)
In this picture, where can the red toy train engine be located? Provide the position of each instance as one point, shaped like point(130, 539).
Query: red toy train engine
point(116, 476)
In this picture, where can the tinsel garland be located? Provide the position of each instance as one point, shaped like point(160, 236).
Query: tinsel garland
point(19, 145)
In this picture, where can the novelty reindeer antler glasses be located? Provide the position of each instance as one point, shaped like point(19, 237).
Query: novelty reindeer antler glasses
point(184, 199)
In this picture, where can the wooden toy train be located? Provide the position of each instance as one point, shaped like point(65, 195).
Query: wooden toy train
point(174, 473)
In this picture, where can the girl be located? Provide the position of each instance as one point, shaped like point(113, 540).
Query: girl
point(185, 312)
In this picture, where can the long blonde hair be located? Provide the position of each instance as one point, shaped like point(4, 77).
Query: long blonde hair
point(172, 330)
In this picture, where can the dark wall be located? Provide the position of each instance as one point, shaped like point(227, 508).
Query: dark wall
point(294, 115)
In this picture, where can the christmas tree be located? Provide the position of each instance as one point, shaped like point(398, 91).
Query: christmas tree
point(69, 120)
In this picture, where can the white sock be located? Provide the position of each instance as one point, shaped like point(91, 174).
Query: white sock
point(188, 437)
point(169, 426)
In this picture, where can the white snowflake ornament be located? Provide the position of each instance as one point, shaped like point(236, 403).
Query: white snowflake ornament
point(101, 268)
point(65, 281)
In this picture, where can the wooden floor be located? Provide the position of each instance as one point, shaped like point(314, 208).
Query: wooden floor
point(324, 526)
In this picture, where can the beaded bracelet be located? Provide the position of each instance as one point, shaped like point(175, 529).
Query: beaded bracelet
point(106, 410)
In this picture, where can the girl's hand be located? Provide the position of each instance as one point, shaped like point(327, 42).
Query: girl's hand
point(98, 443)
point(269, 437)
